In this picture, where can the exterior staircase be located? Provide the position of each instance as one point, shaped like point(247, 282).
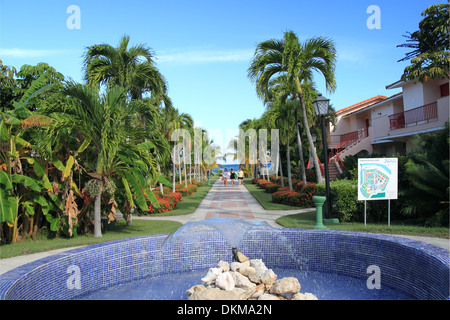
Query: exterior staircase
point(350, 145)
point(333, 170)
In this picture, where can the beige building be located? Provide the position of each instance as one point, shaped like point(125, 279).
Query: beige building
point(386, 125)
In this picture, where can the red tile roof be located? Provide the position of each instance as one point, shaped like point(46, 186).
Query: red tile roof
point(367, 102)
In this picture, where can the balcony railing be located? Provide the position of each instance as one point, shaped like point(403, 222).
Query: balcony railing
point(347, 140)
point(413, 117)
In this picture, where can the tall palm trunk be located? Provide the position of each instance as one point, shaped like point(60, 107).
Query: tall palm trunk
point(184, 167)
point(179, 171)
point(98, 216)
point(300, 148)
point(308, 133)
point(288, 156)
point(161, 189)
point(190, 173)
point(281, 169)
point(173, 170)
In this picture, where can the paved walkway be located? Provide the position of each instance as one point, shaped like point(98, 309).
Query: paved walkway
point(230, 202)
point(220, 202)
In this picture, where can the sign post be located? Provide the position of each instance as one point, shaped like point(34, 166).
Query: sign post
point(378, 180)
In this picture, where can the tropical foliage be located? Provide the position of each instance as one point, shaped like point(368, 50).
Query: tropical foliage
point(73, 155)
point(430, 58)
point(428, 175)
point(284, 70)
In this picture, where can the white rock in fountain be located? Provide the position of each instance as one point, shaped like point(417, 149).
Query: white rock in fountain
point(268, 278)
point(236, 266)
point(241, 257)
point(224, 265)
point(259, 267)
point(259, 291)
point(241, 281)
point(195, 289)
point(247, 271)
point(212, 274)
point(289, 285)
point(304, 296)
point(225, 281)
point(268, 296)
point(250, 279)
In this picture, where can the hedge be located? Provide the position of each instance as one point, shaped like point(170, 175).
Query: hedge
point(344, 199)
point(301, 198)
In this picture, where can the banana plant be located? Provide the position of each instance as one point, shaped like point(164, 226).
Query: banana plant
point(138, 171)
point(15, 187)
point(11, 198)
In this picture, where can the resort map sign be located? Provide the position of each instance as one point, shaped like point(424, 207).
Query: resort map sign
point(377, 178)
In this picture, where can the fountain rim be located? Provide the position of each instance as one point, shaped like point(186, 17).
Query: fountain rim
point(9, 278)
point(437, 252)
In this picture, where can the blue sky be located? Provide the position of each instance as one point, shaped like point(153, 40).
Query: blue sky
point(204, 48)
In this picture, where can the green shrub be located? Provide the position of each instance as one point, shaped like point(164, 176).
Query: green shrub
point(344, 200)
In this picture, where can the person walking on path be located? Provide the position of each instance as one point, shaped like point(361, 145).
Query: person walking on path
point(240, 175)
point(232, 177)
point(225, 175)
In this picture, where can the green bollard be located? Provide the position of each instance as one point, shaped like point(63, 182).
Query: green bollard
point(319, 201)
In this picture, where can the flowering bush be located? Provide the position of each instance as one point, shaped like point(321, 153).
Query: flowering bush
point(304, 199)
point(183, 190)
point(262, 183)
point(298, 185)
point(167, 202)
point(310, 188)
point(197, 183)
point(271, 187)
point(283, 196)
point(164, 204)
point(293, 198)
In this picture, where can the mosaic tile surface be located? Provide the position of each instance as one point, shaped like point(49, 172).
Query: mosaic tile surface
point(413, 267)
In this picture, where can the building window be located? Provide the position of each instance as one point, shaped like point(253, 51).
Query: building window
point(444, 89)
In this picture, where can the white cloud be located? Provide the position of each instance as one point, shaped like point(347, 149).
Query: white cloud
point(207, 56)
point(28, 53)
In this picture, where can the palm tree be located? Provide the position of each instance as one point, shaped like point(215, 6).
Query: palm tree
point(250, 155)
point(285, 115)
point(281, 88)
point(210, 153)
point(174, 120)
point(430, 58)
point(106, 124)
point(131, 68)
point(297, 61)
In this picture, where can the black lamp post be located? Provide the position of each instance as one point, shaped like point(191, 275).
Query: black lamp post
point(321, 107)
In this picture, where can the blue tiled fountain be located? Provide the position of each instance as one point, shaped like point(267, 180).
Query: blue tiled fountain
point(329, 264)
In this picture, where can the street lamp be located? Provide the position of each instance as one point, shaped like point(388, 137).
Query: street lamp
point(321, 108)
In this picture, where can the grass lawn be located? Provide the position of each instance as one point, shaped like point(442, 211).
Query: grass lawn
point(189, 204)
point(264, 198)
point(307, 220)
point(118, 231)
